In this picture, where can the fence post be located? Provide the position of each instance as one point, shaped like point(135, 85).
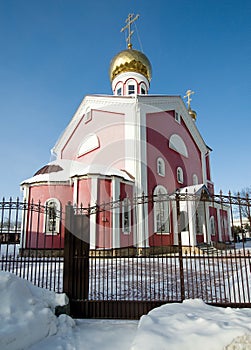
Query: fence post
point(68, 251)
point(182, 286)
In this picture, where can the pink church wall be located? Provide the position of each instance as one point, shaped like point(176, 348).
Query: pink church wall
point(157, 239)
point(104, 216)
point(35, 224)
point(84, 192)
point(160, 127)
point(109, 128)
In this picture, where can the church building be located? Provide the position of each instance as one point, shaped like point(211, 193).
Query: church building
point(117, 147)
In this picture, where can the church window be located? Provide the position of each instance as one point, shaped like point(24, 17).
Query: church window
point(212, 226)
point(131, 89)
point(160, 167)
point(90, 143)
point(195, 179)
point(52, 216)
point(142, 90)
point(180, 175)
point(88, 116)
point(161, 210)
point(177, 144)
point(177, 117)
point(126, 216)
point(119, 91)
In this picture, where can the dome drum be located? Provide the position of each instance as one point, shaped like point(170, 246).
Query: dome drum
point(123, 82)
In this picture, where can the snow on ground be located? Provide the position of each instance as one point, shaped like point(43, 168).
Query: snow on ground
point(27, 321)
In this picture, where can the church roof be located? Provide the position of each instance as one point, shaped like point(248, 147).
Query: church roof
point(194, 189)
point(63, 170)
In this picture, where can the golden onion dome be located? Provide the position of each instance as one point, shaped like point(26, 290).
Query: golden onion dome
point(193, 114)
point(130, 61)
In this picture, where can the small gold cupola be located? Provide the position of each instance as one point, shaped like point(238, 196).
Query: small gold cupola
point(191, 112)
point(130, 70)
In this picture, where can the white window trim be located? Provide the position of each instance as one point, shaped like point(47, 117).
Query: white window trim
point(177, 117)
point(195, 179)
point(58, 219)
point(88, 116)
point(131, 84)
point(163, 201)
point(212, 225)
point(119, 88)
point(180, 175)
point(143, 86)
point(126, 229)
point(177, 144)
point(90, 143)
point(161, 164)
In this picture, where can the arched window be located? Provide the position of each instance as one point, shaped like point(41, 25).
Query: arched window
point(131, 89)
point(52, 216)
point(126, 216)
point(180, 175)
point(177, 144)
point(90, 143)
point(195, 179)
point(161, 167)
point(119, 89)
point(212, 226)
point(161, 210)
point(143, 89)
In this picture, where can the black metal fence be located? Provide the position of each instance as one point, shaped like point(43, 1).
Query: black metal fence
point(127, 280)
point(25, 248)
point(124, 270)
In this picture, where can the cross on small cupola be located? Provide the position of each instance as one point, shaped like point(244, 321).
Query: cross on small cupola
point(130, 70)
point(192, 113)
point(129, 21)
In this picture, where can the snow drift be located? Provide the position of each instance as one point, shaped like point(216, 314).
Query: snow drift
point(26, 312)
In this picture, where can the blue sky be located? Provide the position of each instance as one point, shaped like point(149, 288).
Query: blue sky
point(54, 52)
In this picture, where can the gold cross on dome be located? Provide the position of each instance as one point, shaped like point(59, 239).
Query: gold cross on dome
point(129, 22)
point(187, 95)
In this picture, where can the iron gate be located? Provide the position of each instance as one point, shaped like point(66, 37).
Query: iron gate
point(129, 281)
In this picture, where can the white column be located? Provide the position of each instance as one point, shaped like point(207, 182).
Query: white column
point(94, 196)
point(175, 223)
point(207, 235)
point(191, 212)
point(75, 191)
point(115, 214)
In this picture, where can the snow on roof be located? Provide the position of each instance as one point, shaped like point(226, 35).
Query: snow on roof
point(194, 189)
point(72, 168)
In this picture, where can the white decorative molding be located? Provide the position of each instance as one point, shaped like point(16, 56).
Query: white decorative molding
point(90, 143)
point(177, 144)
